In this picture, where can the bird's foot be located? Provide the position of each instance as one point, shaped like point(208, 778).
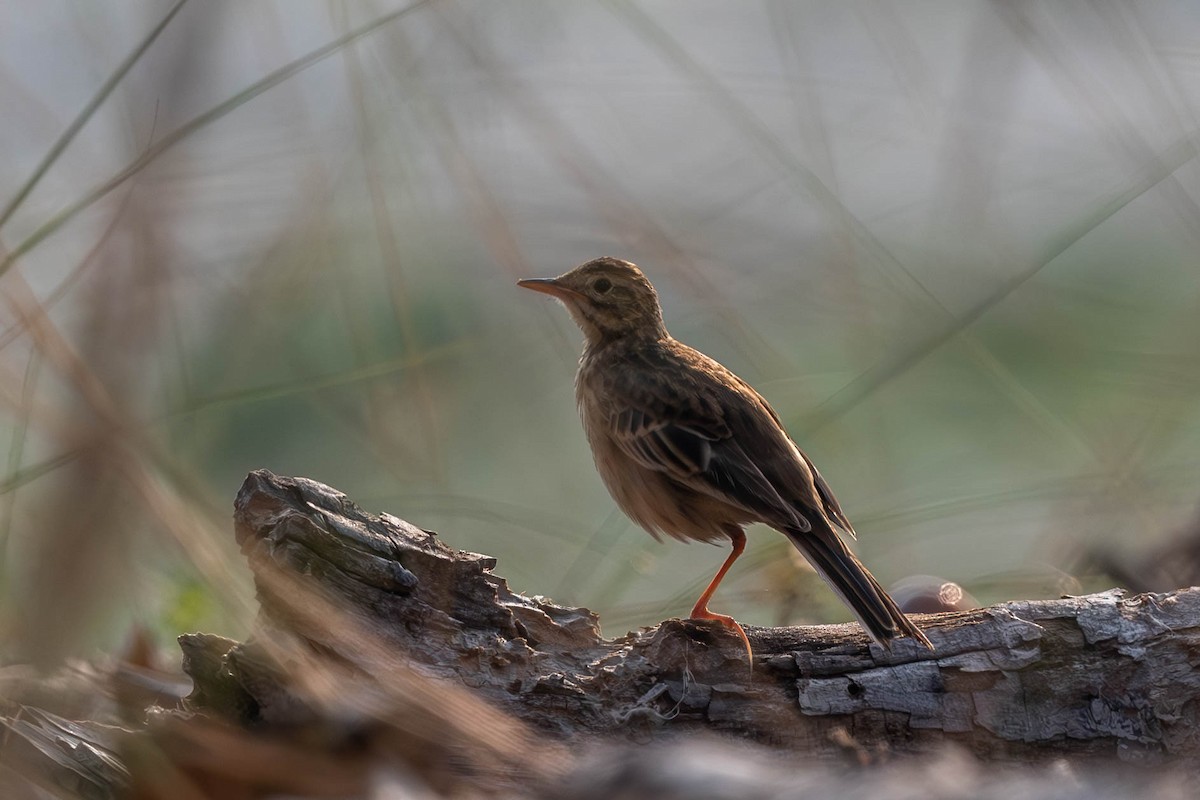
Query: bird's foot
point(702, 612)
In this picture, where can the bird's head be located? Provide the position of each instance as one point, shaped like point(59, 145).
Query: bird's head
point(608, 298)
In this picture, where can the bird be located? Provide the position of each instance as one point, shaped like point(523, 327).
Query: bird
point(688, 449)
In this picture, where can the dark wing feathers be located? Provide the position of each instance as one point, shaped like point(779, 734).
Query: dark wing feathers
point(698, 428)
point(734, 475)
point(660, 445)
point(829, 503)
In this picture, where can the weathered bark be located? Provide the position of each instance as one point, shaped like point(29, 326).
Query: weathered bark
point(1102, 675)
point(387, 664)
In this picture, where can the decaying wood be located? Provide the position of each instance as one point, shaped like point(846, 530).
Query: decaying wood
point(388, 664)
point(1102, 675)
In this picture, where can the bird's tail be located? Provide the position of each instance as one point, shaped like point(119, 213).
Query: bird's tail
point(857, 587)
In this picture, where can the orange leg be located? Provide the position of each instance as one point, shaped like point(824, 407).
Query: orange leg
point(700, 610)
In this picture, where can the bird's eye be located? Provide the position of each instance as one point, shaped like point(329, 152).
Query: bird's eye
point(602, 285)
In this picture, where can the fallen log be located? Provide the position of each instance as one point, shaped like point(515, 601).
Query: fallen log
point(1100, 676)
point(385, 663)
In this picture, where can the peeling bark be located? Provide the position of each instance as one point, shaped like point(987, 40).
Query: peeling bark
point(386, 663)
point(1102, 675)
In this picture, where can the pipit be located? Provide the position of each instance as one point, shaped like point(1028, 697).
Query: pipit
point(688, 449)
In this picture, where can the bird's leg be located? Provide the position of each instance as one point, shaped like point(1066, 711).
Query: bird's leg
point(700, 610)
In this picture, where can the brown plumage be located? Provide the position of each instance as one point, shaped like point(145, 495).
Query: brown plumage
point(688, 449)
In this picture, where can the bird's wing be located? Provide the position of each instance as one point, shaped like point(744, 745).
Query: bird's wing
point(820, 491)
point(679, 428)
point(833, 509)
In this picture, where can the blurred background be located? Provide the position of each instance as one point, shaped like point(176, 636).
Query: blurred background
point(954, 243)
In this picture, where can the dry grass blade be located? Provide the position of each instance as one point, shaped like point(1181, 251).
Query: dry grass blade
point(86, 113)
point(394, 273)
point(853, 393)
point(197, 123)
point(89, 260)
point(202, 758)
point(108, 456)
point(632, 221)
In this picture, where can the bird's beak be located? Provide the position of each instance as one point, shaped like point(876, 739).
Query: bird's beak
point(551, 287)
